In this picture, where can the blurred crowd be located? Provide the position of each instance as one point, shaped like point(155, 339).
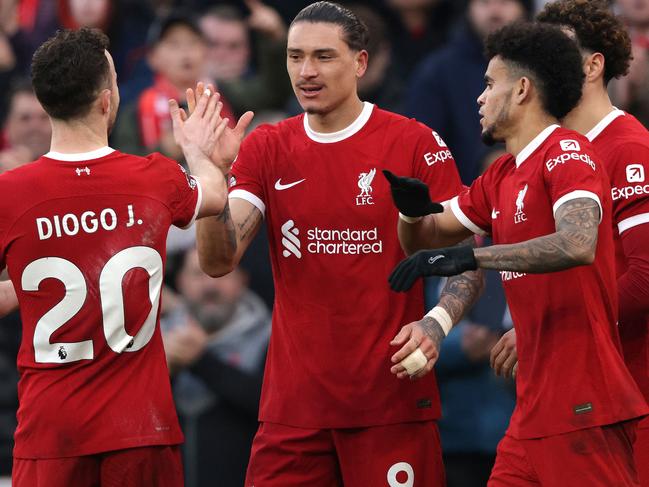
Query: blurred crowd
point(425, 61)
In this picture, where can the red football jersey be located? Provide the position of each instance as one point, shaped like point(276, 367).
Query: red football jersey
point(571, 374)
point(333, 242)
point(83, 237)
point(623, 144)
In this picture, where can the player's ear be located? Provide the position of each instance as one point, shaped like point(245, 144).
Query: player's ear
point(105, 100)
point(522, 90)
point(361, 63)
point(594, 66)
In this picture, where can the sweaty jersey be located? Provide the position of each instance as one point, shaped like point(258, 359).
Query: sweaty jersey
point(83, 238)
point(571, 374)
point(333, 241)
point(623, 144)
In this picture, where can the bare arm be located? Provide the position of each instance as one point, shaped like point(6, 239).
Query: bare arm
point(222, 240)
point(432, 231)
point(8, 299)
point(573, 244)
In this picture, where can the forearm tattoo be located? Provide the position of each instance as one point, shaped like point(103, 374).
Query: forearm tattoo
point(571, 245)
point(433, 330)
point(462, 291)
point(225, 218)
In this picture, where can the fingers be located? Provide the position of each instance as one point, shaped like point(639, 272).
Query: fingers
point(495, 351)
point(211, 107)
point(243, 123)
point(410, 346)
point(201, 105)
point(402, 336)
point(403, 276)
point(183, 115)
point(215, 120)
point(392, 179)
point(191, 100)
point(507, 368)
point(506, 356)
point(221, 128)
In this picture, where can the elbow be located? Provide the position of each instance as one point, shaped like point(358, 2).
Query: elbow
point(585, 255)
point(216, 268)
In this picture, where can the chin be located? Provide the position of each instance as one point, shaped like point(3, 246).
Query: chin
point(488, 138)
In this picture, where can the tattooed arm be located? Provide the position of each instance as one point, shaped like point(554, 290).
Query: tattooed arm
point(222, 240)
point(573, 244)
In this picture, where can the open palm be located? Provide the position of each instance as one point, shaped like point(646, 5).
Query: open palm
point(228, 144)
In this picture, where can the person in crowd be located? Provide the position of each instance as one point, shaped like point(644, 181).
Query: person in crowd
point(27, 130)
point(215, 342)
point(443, 90)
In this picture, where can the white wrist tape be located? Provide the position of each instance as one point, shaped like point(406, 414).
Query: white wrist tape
point(440, 315)
point(410, 219)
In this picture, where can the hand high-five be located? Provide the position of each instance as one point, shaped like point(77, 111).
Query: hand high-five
point(227, 145)
point(202, 128)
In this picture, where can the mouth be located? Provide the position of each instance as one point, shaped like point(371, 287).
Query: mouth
point(310, 91)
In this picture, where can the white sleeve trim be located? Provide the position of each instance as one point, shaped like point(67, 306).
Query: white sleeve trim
point(249, 197)
point(579, 193)
point(464, 220)
point(632, 221)
point(199, 203)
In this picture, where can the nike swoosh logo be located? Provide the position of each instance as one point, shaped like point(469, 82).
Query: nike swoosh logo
point(494, 214)
point(280, 187)
point(432, 260)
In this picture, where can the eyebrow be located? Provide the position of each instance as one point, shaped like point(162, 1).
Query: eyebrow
point(326, 50)
point(487, 78)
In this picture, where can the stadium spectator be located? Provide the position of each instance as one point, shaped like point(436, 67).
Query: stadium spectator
point(543, 203)
point(631, 93)
point(331, 413)
point(83, 232)
point(27, 130)
point(623, 144)
point(229, 60)
point(215, 343)
point(443, 90)
point(10, 333)
point(417, 27)
point(177, 55)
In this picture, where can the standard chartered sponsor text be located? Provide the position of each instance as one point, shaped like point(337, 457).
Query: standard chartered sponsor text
point(346, 241)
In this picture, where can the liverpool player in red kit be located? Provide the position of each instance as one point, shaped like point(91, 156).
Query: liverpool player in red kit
point(331, 412)
point(82, 234)
point(574, 422)
point(622, 143)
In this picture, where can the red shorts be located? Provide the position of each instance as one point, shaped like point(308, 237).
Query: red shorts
point(641, 452)
point(400, 455)
point(136, 467)
point(592, 457)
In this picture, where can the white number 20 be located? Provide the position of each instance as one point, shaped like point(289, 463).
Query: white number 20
point(112, 303)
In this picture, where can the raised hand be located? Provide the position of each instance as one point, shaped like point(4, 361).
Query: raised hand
point(441, 262)
point(411, 196)
point(201, 130)
point(265, 19)
point(228, 144)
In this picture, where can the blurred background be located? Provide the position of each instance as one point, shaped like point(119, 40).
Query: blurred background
point(425, 61)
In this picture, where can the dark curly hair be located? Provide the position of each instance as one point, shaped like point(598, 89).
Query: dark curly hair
point(355, 31)
point(597, 30)
point(69, 70)
point(547, 56)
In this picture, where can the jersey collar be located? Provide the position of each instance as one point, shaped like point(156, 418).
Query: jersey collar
point(81, 156)
point(603, 123)
point(534, 144)
point(343, 134)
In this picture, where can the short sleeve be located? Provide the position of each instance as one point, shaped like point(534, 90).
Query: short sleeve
point(183, 193)
point(571, 170)
point(630, 187)
point(472, 207)
point(245, 180)
point(433, 163)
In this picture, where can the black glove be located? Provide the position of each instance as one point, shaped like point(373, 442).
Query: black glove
point(441, 262)
point(411, 196)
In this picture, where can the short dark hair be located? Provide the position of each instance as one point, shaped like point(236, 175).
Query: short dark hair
point(597, 30)
point(69, 70)
point(355, 31)
point(547, 56)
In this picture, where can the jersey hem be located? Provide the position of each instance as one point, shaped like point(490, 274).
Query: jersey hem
point(579, 193)
point(250, 198)
point(464, 220)
point(632, 221)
